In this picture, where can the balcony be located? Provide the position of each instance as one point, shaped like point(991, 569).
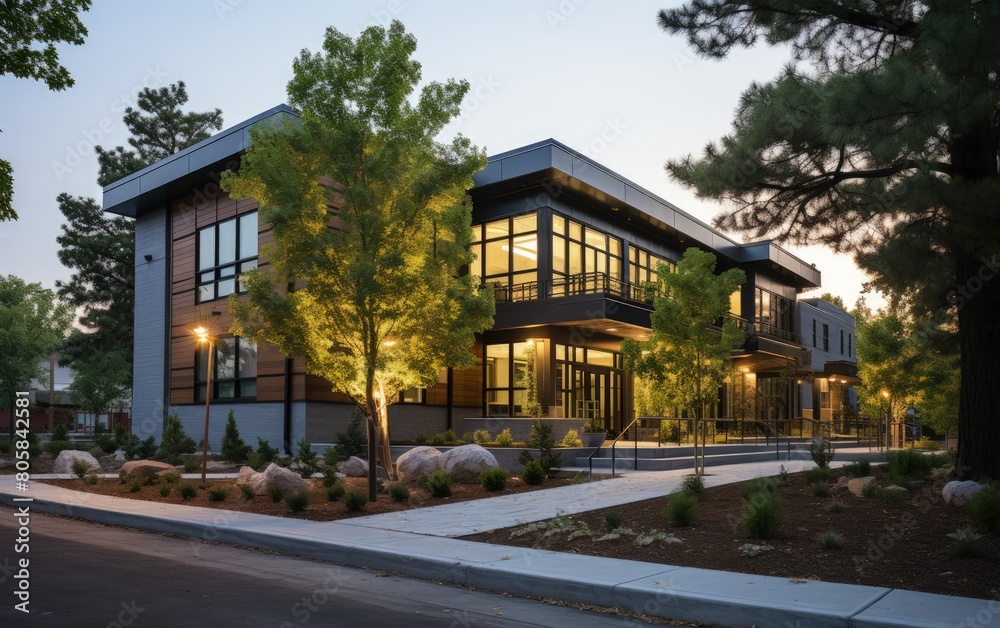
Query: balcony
point(770, 331)
point(573, 285)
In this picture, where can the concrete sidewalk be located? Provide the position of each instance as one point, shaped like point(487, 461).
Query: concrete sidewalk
point(416, 543)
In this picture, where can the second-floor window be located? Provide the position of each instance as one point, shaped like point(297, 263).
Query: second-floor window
point(225, 250)
point(826, 337)
point(506, 250)
point(773, 310)
point(643, 265)
point(577, 248)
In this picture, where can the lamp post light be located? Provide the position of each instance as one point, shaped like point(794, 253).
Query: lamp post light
point(204, 337)
point(888, 407)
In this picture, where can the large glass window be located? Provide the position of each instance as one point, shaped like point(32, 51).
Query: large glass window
point(506, 250)
point(225, 250)
point(771, 310)
point(643, 265)
point(506, 378)
point(577, 248)
point(234, 370)
point(588, 383)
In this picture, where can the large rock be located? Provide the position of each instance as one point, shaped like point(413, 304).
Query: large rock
point(960, 493)
point(274, 476)
point(245, 476)
point(858, 485)
point(465, 463)
point(354, 467)
point(417, 463)
point(150, 469)
point(66, 458)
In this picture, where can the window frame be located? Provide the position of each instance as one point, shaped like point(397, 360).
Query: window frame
point(242, 384)
point(222, 272)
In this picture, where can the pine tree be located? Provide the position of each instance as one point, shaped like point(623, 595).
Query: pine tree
point(234, 449)
point(880, 138)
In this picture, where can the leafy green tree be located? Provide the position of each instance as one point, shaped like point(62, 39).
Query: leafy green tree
point(881, 138)
point(29, 32)
point(833, 299)
point(234, 449)
point(378, 305)
point(687, 355)
point(32, 325)
point(99, 382)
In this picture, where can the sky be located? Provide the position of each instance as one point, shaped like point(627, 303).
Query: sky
point(599, 76)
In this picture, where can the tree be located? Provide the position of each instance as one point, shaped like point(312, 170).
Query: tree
point(880, 138)
point(100, 381)
point(833, 299)
point(29, 32)
point(377, 304)
point(687, 354)
point(234, 449)
point(101, 249)
point(32, 325)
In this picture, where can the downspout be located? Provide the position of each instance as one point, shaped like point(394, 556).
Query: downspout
point(168, 271)
point(450, 397)
point(287, 431)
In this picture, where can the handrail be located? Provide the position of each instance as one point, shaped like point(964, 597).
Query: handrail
point(590, 458)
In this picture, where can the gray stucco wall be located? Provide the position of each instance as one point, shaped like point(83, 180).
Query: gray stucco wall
point(149, 367)
point(264, 420)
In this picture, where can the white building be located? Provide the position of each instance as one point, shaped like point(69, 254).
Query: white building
point(829, 334)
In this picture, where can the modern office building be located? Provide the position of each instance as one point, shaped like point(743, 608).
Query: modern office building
point(567, 245)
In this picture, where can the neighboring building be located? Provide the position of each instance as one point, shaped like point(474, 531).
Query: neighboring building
point(566, 243)
point(829, 334)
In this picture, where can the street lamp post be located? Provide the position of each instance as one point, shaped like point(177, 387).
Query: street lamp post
point(203, 336)
point(888, 407)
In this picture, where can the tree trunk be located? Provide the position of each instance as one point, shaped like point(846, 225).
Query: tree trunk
point(385, 447)
point(978, 301)
point(372, 454)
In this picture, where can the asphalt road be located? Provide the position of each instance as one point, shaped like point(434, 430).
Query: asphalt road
point(84, 574)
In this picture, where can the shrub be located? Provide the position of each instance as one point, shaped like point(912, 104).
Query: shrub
point(681, 510)
point(812, 476)
point(986, 508)
point(831, 540)
point(481, 437)
point(612, 521)
point(174, 442)
point(533, 473)
point(504, 439)
point(354, 442)
point(80, 468)
point(966, 542)
point(821, 452)
point(59, 432)
point(334, 492)
point(218, 493)
point(256, 462)
point(783, 475)
point(572, 439)
point(121, 435)
point(135, 484)
point(234, 449)
point(858, 469)
point(165, 489)
point(493, 479)
point(835, 506)
point(438, 483)
point(763, 515)
point(820, 489)
point(96, 452)
point(768, 486)
point(891, 496)
point(56, 446)
point(265, 451)
point(297, 501)
point(542, 437)
point(93, 479)
point(909, 464)
point(191, 465)
point(330, 459)
point(399, 492)
point(170, 478)
point(108, 444)
point(247, 491)
point(187, 490)
point(276, 493)
point(136, 449)
point(926, 444)
point(693, 485)
point(355, 500)
point(470, 437)
point(421, 438)
point(307, 459)
point(438, 439)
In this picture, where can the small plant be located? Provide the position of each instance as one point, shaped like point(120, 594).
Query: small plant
point(438, 439)
point(265, 452)
point(910, 464)
point(831, 540)
point(355, 500)
point(681, 510)
point(234, 449)
point(135, 484)
point(481, 437)
point(59, 432)
point(56, 447)
point(926, 444)
point(170, 478)
point(469, 437)
point(504, 439)
point(783, 475)
point(187, 490)
point(276, 494)
point(768, 486)
point(399, 492)
point(835, 506)
point(438, 483)
point(247, 491)
point(890, 495)
point(763, 515)
point(191, 465)
point(450, 436)
point(816, 475)
point(494, 479)
point(80, 468)
point(335, 492)
point(218, 493)
point(820, 489)
point(533, 473)
point(542, 437)
point(612, 521)
point(297, 501)
point(966, 542)
point(858, 469)
point(96, 452)
point(693, 485)
point(572, 439)
point(593, 426)
point(307, 459)
point(165, 489)
point(421, 438)
point(93, 479)
point(174, 442)
point(106, 443)
point(986, 508)
point(256, 462)
point(354, 442)
point(821, 452)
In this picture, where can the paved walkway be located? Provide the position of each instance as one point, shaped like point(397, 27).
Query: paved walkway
point(416, 543)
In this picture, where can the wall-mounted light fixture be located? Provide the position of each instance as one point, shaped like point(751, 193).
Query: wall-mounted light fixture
point(148, 257)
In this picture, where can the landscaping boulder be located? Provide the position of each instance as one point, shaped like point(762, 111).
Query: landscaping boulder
point(941, 474)
point(465, 463)
point(274, 476)
point(960, 493)
point(417, 463)
point(245, 476)
point(354, 467)
point(857, 486)
point(842, 482)
point(895, 488)
point(66, 458)
point(149, 469)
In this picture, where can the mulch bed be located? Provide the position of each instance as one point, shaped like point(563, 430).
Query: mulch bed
point(898, 544)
